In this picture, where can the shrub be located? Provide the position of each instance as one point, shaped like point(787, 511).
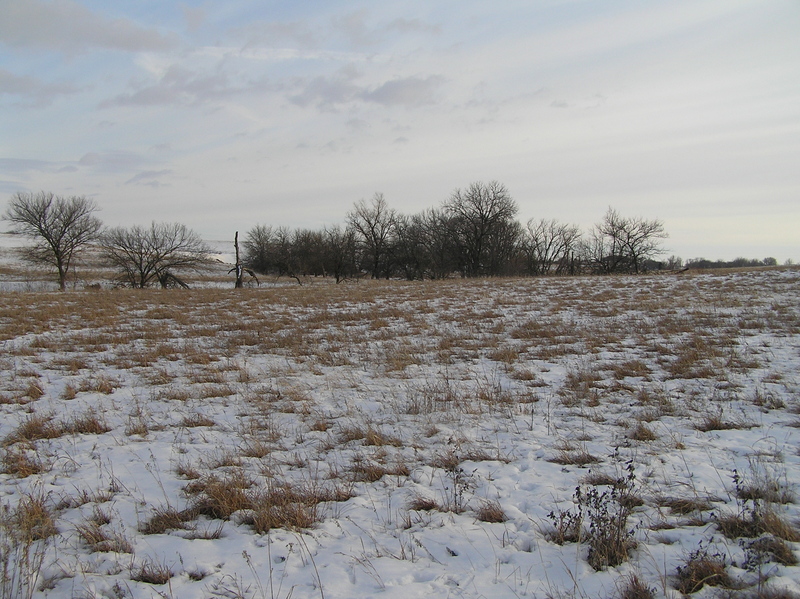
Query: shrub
point(606, 513)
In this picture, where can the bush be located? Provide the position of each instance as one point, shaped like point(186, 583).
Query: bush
point(608, 536)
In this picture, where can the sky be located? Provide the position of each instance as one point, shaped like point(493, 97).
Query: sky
point(224, 115)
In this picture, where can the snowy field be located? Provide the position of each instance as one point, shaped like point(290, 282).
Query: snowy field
point(600, 437)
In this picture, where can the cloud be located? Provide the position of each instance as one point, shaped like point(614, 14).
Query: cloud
point(354, 27)
point(182, 86)
point(112, 162)
point(409, 91)
point(275, 33)
point(18, 166)
point(69, 27)
point(327, 92)
point(149, 178)
point(10, 186)
point(412, 26)
point(339, 89)
point(34, 91)
point(195, 17)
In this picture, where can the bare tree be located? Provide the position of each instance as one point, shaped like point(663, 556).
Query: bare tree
point(481, 217)
point(259, 249)
point(550, 246)
point(619, 244)
point(144, 256)
point(374, 225)
point(239, 268)
point(440, 246)
point(339, 249)
point(59, 228)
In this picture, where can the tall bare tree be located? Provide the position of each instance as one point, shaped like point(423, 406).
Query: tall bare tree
point(374, 224)
point(550, 246)
point(339, 252)
point(60, 227)
point(147, 255)
point(620, 244)
point(481, 218)
point(259, 248)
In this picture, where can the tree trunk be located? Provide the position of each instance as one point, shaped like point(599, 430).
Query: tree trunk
point(239, 269)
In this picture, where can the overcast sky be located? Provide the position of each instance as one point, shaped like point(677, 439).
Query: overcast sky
point(222, 115)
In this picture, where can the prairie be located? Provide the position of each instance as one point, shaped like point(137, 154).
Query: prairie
point(551, 437)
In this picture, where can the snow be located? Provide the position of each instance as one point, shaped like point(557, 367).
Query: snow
point(471, 390)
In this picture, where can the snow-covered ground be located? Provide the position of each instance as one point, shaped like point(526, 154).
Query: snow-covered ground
point(400, 440)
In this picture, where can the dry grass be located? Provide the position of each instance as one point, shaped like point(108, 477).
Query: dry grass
point(151, 571)
point(195, 420)
point(491, 511)
point(21, 462)
point(702, 568)
point(633, 587)
point(87, 423)
point(282, 401)
point(751, 523)
point(99, 537)
point(772, 549)
point(26, 531)
point(683, 506)
point(717, 421)
point(642, 432)
point(580, 458)
point(35, 427)
point(421, 503)
point(166, 518)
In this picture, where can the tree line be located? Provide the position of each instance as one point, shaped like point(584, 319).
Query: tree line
point(473, 233)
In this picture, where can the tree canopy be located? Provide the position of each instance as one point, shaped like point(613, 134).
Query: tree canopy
point(59, 227)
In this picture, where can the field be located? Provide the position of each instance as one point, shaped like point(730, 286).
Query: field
point(593, 437)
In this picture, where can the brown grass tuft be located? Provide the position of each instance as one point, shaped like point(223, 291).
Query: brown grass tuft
point(20, 462)
point(491, 511)
point(633, 587)
point(151, 572)
point(700, 569)
point(420, 503)
point(685, 506)
point(164, 519)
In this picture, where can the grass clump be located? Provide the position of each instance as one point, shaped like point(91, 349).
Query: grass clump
point(26, 531)
point(754, 517)
point(633, 587)
point(642, 432)
point(578, 458)
point(491, 511)
point(34, 428)
point(683, 506)
point(421, 503)
point(702, 568)
point(166, 518)
point(151, 572)
point(20, 462)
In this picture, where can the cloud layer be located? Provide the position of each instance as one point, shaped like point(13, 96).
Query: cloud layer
point(686, 112)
